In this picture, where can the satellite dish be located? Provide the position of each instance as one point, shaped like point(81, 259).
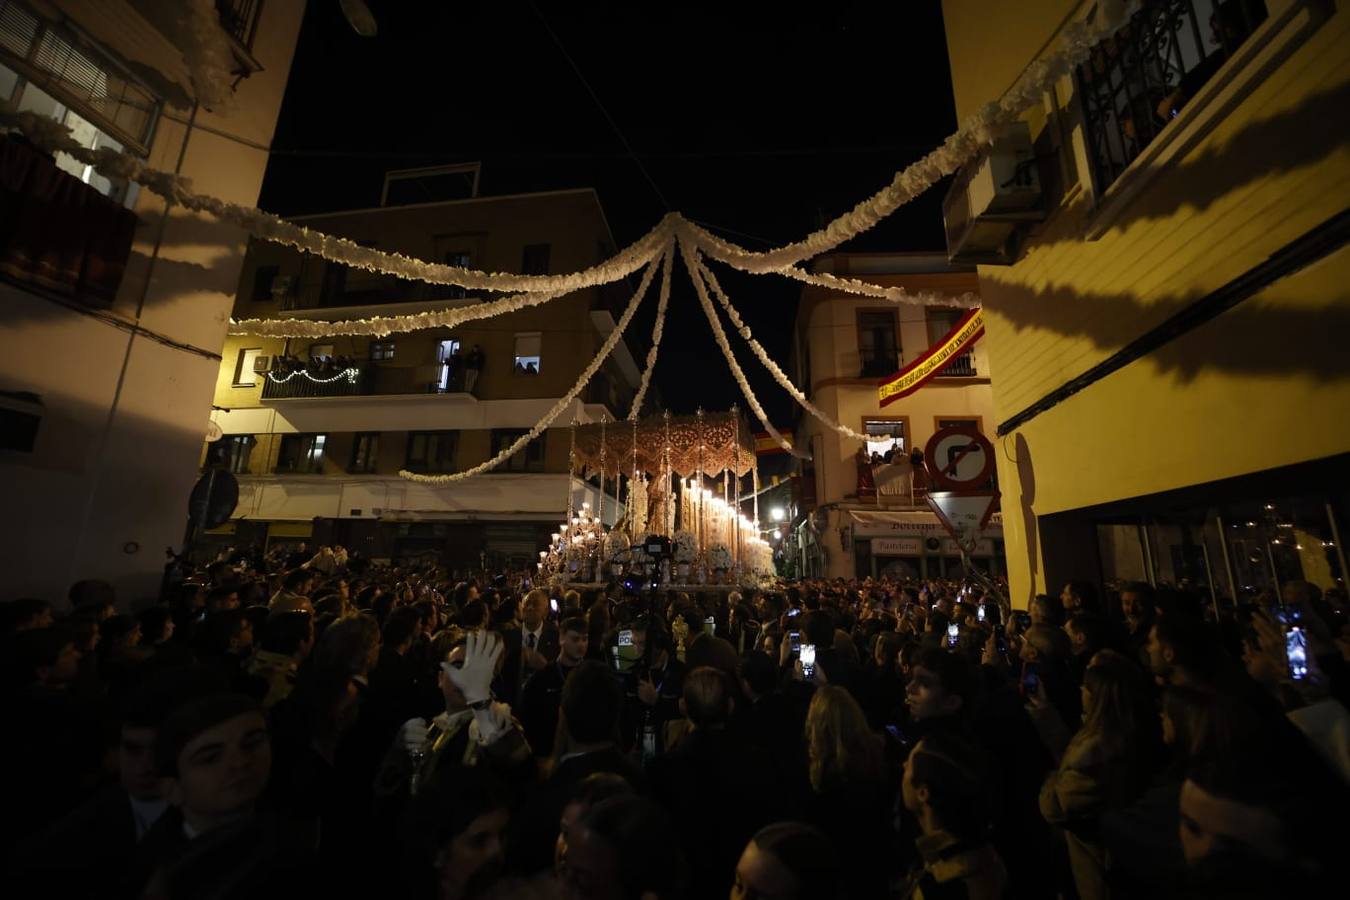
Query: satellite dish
point(359, 16)
point(214, 497)
point(213, 432)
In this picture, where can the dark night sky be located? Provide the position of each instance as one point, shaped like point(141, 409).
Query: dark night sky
point(756, 120)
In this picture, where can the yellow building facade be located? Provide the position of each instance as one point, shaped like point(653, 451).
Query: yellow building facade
point(1171, 392)
point(316, 430)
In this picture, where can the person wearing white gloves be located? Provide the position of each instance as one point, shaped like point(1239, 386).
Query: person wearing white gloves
point(473, 730)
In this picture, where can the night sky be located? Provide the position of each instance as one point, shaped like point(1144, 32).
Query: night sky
point(760, 122)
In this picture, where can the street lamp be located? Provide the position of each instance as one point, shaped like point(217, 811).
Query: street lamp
point(777, 514)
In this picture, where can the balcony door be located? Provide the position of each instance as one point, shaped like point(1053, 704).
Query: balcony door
point(446, 352)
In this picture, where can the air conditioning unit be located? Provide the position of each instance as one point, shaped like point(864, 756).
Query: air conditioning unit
point(282, 286)
point(991, 198)
point(262, 364)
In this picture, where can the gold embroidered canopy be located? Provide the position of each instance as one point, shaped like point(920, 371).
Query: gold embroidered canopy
point(716, 441)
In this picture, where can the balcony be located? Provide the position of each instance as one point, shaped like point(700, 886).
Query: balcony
point(878, 362)
point(293, 379)
point(961, 367)
point(58, 235)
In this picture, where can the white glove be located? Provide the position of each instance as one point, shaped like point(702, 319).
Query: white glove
point(491, 722)
point(474, 679)
point(414, 734)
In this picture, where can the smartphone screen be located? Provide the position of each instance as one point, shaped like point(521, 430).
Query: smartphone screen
point(1296, 648)
point(953, 634)
point(979, 613)
point(553, 603)
point(808, 661)
point(796, 638)
point(894, 731)
point(1031, 683)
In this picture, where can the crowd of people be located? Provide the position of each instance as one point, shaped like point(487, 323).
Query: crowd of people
point(291, 724)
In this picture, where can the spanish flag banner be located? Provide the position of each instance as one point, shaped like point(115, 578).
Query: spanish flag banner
point(962, 337)
point(765, 445)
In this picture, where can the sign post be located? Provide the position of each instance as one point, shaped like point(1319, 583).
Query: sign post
point(961, 461)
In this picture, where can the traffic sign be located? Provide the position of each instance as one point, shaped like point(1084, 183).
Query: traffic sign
point(963, 514)
point(959, 458)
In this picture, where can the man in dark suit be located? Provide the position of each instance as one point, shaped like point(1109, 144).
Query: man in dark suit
point(530, 648)
point(542, 694)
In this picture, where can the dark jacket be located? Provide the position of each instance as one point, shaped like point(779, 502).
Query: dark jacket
point(514, 674)
point(538, 707)
point(950, 870)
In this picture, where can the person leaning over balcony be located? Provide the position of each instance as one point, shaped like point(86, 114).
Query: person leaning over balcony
point(473, 364)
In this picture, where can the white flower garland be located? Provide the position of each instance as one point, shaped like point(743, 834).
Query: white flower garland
point(207, 52)
point(691, 263)
point(657, 330)
point(779, 375)
point(563, 402)
point(975, 132)
point(894, 294)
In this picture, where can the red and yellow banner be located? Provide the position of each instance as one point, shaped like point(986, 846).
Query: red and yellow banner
point(765, 445)
point(968, 330)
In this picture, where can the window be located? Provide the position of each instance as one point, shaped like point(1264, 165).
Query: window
point(431, 451)
point(450, 375)
point(244, 374)
point(1138, 80)
point(884, 435)
point(528, 346)
point(536, 259)
point(263, 277)
point(529, 458)
point(320, 351)
point(365, 450)
point(878, 349)
point(59, 64)
point(462, 259)
point(382, 350)
point(231, 453)
point(941, 320)
point(301, 453)
point(240, 19)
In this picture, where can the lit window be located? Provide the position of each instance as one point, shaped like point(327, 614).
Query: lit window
point(884, 435)
point(382, 350)
point(528, 346)
point(244, 370)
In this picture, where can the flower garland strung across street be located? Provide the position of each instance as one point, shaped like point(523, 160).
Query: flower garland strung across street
point(977, 131)
point(894, 294)
point(208, 55)
point(563, 402)
point(657, 330)
point(779, 375)
point(692, 265)
point(351, 373)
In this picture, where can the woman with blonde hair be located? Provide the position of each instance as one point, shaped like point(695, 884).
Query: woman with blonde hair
point(849, 790)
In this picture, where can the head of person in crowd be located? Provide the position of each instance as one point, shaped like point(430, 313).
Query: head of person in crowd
point(462, 824)
point(222, 597)
point(289, 634)
point(886, 651)
point(843, 752)
point(758, 675)
point(1088, 633)
point(625, 848)
point(214, 756)
point(593, 789)
point(707, 701)
point(945, 787)
point(1136, 604)
point(588, 711)
point(533, 609)
point(157, 625)
point(1045, 645)
point(400, 629)
point(937, 623)
point(226, 633)
point(1181, 650)
point(474, 615)
point(94, 597)
point(120, 633)
point(574, 640)
point(1120, 716)
point(24, 614)
point(299, 582)
point(1079, 596)
point(1047, 610)
point(44, 658)
point(788, 861)
point(351, 646)
point(941, 686)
